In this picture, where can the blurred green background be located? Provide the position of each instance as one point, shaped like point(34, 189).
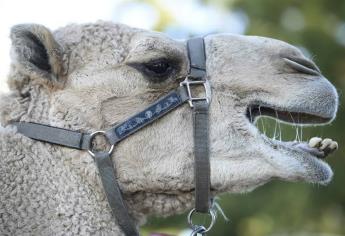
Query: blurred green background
point(280, 208)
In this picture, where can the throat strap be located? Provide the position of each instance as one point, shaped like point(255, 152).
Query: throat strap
point(113, 193)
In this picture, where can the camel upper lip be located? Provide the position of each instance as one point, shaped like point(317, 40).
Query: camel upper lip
point(286, 115)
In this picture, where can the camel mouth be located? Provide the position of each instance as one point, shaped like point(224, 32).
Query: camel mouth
point(311, 159)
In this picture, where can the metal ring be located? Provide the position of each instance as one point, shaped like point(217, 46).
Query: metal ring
point(92, 136)
point(213, 220)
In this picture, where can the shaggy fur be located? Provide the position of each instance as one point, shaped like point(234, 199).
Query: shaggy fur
point(87, 77)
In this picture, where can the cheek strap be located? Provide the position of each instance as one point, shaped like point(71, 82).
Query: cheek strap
point(200, 106)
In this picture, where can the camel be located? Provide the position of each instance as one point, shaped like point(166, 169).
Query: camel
point(89, 76)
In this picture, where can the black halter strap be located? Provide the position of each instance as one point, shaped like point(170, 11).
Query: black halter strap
point(197, 58)
point(81, 141)
point(167, 103)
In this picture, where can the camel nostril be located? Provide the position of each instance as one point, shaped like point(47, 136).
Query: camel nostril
point(302, 65)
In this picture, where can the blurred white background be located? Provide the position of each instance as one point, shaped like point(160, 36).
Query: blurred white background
point(184, 17)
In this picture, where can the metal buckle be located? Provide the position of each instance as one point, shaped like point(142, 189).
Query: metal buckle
point(188, 83)
point(92, 136)
point(196, 228)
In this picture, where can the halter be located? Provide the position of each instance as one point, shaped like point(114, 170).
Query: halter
point(167, 103)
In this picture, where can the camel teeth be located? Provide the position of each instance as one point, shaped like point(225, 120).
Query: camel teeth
point(326, 143)
point(334, 145)
point(315, 142)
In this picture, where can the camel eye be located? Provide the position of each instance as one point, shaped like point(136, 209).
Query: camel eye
point(158, 68)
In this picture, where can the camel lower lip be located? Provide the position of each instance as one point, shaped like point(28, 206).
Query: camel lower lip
point(316, 169)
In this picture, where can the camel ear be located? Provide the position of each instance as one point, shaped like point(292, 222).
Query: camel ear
point(35, 53)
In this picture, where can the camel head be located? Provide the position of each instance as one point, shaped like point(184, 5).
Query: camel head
point(88, 77)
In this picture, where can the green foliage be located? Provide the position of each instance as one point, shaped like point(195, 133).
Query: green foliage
point(281, 208)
